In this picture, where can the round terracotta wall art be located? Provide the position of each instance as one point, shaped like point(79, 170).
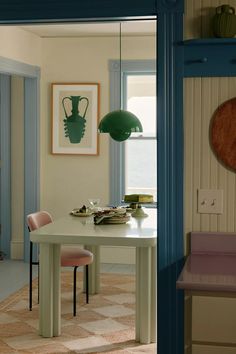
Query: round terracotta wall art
point(223, 133)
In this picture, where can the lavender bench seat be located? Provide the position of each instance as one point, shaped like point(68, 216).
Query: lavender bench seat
point(211, 265)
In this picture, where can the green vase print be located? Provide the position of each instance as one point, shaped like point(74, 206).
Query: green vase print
point(75, 124)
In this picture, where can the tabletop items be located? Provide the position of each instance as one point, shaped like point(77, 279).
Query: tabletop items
point(136, 201)
point(83, 211)
point(106, 215)
point(111, 216)
point(94, 202)
point(138, 198)
point(115, 215)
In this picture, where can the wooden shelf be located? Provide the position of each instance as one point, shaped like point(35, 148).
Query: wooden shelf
point(209, 57)
point(209, 41)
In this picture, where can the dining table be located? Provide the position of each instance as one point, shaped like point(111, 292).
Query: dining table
point(140, 233)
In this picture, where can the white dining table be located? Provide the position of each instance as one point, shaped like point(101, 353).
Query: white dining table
point(140, 233)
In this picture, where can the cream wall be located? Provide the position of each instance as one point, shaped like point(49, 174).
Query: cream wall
point(20, 45)
point(214, 319)
point(68, 181)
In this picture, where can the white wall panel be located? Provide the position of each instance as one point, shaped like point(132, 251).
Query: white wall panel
point(202, 169)
point(214, 320)
point(17, 166)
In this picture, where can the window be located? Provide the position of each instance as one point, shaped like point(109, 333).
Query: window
point(140, 149)
point(133, 163)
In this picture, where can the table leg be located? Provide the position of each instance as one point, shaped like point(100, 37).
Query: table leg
point(49, 290)
point(94, 270)
point(56, 290)
point(144, 294)
point(188, 323)
point(154, 296)
point(46, 290)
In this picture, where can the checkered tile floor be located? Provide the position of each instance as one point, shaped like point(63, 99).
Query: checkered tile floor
point(105, 325)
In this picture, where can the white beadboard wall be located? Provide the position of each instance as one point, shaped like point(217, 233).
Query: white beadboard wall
point(214, 319)
point(202, 170)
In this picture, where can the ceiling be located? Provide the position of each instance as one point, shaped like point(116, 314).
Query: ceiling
point(131, 28)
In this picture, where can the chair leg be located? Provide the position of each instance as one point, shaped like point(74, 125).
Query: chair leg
point(74, 292)
point(30, 277)
point(38, 283)
point(87, 284)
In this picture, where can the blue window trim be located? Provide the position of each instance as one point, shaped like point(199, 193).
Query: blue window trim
point(5, 147)
point(31, 153)
point(117, 150)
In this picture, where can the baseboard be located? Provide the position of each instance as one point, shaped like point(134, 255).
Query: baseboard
point(17, 250)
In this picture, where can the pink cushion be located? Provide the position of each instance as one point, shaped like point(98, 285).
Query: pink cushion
point(38, 219)
point(75, 256)
point(70, 256)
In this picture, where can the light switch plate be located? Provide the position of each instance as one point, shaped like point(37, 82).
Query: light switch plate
point(210, 201)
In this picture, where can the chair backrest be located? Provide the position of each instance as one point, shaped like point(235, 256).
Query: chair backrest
point(38, 219)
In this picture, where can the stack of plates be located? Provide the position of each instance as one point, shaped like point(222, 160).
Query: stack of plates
point(117, 219)
point(112, 216)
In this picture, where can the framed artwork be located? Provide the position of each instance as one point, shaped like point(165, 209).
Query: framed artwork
point(75, 113)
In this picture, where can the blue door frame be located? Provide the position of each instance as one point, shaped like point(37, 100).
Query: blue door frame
point(31, 75)
point(5, 185)
point(170, 131)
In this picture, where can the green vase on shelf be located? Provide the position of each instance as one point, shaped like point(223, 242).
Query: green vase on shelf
point(224, 22)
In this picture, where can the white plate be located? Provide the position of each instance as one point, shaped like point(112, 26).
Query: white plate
point(77, 213)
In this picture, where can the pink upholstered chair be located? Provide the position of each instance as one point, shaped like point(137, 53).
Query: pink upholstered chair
point(70, 256)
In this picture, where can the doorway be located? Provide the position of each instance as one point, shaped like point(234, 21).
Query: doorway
point(30, 76)
point(170, 159)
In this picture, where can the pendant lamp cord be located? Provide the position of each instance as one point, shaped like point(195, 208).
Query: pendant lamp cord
point(120, 68)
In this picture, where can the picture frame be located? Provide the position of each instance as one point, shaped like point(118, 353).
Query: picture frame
point(75, 114)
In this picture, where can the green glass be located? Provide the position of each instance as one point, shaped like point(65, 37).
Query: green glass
point(120, 124)
point(224, 22)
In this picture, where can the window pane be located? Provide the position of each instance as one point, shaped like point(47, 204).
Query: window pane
point(141, 167)
point(140, 154)
point(141, 100)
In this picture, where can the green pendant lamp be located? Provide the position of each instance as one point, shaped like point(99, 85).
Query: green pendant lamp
point(120, 123)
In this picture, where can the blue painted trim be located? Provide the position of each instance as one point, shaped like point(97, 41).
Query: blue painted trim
point(117, 150)
point(31, 153)
point(13, 67)
point(5, 147)
point(170, 6)
point(31, 73)
point(209, 41)
point(209, 58)
point(19, 11)
point(170, 185)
